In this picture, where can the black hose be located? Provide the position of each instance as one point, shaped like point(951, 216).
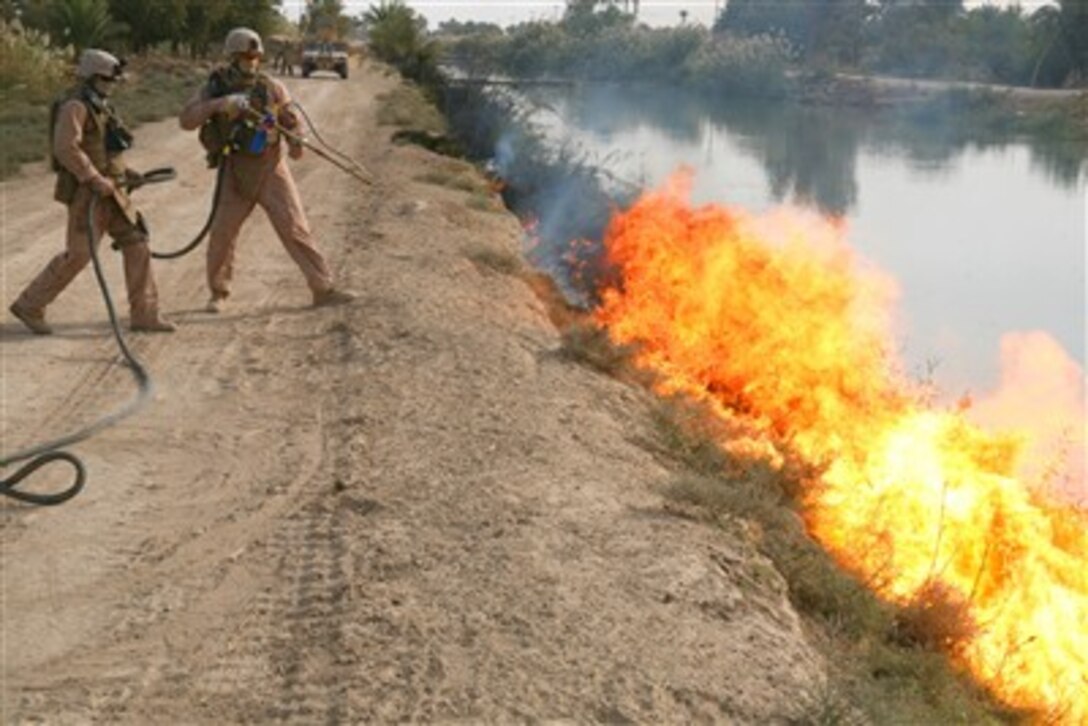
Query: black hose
point(48, 452)
point(329, 148)
point(174, 254)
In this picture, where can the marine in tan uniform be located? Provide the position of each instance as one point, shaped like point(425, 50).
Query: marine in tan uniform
point(88, 140)
point(236, 112)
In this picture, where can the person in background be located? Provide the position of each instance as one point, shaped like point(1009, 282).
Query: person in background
point(238, 111)
point(88, 141)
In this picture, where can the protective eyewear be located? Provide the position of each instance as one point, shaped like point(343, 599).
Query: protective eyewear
point(118, 72)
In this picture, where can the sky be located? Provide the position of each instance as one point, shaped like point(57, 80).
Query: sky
point(656, 13)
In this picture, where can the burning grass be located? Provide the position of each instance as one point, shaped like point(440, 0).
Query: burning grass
point(782, 335)
point(888, 663)
point(908, 544)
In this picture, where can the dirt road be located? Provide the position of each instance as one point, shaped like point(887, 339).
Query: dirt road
point(409, 508)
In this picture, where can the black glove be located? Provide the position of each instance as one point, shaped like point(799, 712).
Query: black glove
point(133, 179)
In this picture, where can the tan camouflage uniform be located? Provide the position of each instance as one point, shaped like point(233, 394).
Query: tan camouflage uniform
point(80, 151)
point(262, 179)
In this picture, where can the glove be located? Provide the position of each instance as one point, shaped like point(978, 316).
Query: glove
point(133, 179)
point(102, 186)
point(235, 104)
point(294, 151)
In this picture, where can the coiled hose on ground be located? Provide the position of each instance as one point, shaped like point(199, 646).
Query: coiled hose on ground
point(52, 451)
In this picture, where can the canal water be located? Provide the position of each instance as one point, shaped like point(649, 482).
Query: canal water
point(985, 233)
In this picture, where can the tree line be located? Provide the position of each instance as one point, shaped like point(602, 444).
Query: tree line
point(1047, 46)
point(1043, 45)
point(190, 26)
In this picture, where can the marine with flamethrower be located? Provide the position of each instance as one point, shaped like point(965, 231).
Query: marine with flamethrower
point(245, 120)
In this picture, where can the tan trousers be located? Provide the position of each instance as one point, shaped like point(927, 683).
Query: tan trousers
point(143, 296)
point(267, 182)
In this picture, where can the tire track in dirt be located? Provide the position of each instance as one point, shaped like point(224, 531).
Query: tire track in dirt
point(307, 617)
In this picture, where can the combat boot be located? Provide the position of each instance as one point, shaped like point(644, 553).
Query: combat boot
point(332, 296)
point(32, 319)
point(157, 324)
point(216, 304)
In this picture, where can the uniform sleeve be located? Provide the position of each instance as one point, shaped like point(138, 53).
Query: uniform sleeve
point(199, 109)
point(281, 99)
point(67, 136)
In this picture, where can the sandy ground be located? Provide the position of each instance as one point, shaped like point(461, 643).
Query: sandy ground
point(408, 508)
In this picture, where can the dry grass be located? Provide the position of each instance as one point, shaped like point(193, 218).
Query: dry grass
point(936, 618)
point(484, 201)
point(450, 180)
point(561, 313)
point(462, 176)
point(888, 664)
point(586, 343)
point(503, 262)
point(406, 107)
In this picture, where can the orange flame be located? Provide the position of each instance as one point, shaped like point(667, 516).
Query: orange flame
point(776, 319)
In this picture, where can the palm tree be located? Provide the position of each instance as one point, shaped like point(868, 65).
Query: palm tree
point(1047, 23)
point(1074, 15)
point(83, 24)
point(326, 19)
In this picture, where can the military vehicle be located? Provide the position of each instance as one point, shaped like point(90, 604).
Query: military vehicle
point(324, 56)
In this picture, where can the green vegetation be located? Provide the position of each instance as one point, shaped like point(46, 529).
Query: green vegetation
point(770, 48)
point(31, 73)
point(135, 26)
point(82, 23)
point(325, 19)
point(754, 65)
point(397, 35)
point(1046, 46)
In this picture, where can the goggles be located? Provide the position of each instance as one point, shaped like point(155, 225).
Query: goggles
point(117, 74)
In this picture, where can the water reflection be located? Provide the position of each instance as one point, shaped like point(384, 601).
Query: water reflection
point(809, 153)
point(810, 158)
point(984, 230)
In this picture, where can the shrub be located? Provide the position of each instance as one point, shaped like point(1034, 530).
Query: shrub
point(30, 70)
point(397, 37)
point(754, 65)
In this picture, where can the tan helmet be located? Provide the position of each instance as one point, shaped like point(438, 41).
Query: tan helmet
point(243, 40)
point(93, 62)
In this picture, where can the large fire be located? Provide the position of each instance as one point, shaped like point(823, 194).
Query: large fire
point(776, 319)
